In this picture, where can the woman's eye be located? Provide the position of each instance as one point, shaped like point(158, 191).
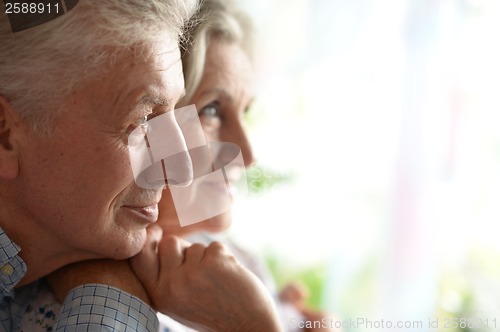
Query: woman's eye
point(210, 111)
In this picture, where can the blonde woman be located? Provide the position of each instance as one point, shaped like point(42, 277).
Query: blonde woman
point(219, 77)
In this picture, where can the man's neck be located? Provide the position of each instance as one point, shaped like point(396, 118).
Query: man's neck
point(41, 252)
point(43, 261)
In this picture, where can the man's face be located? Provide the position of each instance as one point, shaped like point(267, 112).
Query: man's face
point(80, 184)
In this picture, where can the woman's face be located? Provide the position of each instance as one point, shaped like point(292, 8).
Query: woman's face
point(222, 98)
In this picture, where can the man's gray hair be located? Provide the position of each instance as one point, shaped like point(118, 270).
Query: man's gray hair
point(40, 66)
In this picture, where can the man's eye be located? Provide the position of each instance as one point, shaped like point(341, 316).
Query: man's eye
point(210, 111)
point(143, 120)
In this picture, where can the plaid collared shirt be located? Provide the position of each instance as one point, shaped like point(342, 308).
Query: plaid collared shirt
point(90, 307)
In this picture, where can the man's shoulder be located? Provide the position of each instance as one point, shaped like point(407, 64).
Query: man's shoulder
point(12, 267)
point(109, 306)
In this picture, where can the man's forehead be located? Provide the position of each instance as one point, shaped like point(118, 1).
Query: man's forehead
point(147, 82)
point(165, 45)
point(156, 62)
point(161, 53)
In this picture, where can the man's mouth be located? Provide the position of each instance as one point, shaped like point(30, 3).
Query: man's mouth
point(148, 213)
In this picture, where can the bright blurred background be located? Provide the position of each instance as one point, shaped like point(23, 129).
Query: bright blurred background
point(377, 131)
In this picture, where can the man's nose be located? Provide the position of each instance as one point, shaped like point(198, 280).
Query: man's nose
point(178, 168)
point(164, 158)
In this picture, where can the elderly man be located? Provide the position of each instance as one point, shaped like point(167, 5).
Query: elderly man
point(72, 90)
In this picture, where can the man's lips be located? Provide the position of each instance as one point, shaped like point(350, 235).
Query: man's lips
point(148, 213)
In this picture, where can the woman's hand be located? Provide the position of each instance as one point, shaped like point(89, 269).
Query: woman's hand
point(296, 294)
point(203, 287)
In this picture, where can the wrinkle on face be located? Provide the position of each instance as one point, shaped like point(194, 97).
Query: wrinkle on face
point(4, 140)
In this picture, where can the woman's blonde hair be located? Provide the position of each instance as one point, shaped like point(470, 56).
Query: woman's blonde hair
point(216, 20)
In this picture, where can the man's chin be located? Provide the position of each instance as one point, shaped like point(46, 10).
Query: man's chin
point(129, 247)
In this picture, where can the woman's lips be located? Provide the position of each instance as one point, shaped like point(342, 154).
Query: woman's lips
point(148, 213)
point(220, 188)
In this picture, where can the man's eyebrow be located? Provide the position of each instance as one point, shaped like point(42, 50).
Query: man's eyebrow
point(152, 101)
point(155, 101)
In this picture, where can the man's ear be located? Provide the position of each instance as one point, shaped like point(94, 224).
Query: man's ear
point(9, 149)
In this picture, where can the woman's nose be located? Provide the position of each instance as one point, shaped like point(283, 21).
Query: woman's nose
point(236, 134)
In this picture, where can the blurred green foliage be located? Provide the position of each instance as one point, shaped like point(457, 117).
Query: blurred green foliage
point(470, 292)
point(313, 277)
point(261, 178)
